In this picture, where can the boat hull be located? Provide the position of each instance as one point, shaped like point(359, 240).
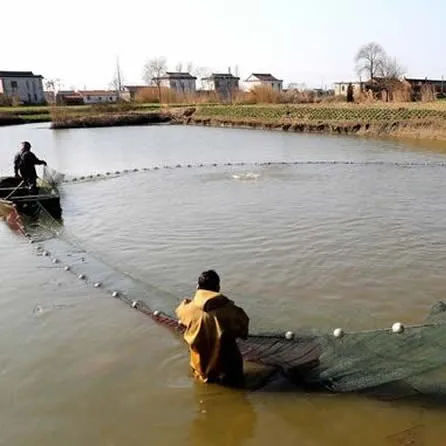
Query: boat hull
point(47, 200)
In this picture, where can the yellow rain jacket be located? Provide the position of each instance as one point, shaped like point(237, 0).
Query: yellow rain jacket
point(213, 323)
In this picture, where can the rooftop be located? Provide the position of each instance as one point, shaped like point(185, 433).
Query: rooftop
point(266, 77)
point(96, 92)
point(423, 80)
point(19, 74)
point(222, 76)
point(177, 75)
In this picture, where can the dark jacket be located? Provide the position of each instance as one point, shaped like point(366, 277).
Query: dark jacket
point(24, 164)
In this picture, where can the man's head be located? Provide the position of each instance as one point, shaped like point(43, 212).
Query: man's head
point(209, 280)
point(26, 146)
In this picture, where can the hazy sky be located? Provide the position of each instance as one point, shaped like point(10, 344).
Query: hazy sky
point(304, 41)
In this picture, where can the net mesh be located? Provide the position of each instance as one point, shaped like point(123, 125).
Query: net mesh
point(413, 359)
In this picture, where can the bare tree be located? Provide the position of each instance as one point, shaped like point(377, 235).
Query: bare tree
point(391, 69)
point(52, 86)
point(179, 67)
point(370, 60)
point(153, 71)
point(118, 79)
point(201, 73)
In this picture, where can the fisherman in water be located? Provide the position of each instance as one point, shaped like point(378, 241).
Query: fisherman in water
point(24, 166)
point(213, 323)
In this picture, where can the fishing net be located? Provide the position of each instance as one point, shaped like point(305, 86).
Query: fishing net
point(51, 177)
point(412, 358)
point(352, 362)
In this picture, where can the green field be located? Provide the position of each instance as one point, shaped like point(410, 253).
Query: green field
point(323, 113)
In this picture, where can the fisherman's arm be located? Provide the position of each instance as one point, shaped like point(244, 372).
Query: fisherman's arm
point(37, 161)
point(242, 323)
point(16, 166)
point(182, 312)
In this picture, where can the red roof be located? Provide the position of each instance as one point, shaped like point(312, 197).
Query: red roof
point(97, 92)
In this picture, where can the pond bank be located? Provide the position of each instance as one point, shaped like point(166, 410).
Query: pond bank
point(413, 123)
point(111, 120)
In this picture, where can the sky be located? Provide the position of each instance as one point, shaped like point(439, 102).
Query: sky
point(311, 42)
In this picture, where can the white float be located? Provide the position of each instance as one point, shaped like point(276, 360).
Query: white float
point(289, 335)
point(397, 327)
point(338, 332)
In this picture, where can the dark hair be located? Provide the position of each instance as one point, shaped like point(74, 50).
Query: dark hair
point(209, 280)
point(26, 145)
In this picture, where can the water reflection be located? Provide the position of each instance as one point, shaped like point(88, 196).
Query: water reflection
point(223, 417)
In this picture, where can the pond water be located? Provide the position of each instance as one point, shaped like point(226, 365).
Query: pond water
point(357, 245)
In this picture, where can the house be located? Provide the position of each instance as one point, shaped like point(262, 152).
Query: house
point(224, 84)
point(24, 87)
point(130, 92)
point(87, 97)
point(340, 88)
point(99, 96)
point(265, 80)
point(437, 86)
point(183, 83)
point(69, 97)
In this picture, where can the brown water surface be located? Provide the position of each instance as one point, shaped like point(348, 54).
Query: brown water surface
point(308, 245)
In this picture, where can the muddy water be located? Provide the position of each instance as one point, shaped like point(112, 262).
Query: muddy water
point(320, 245)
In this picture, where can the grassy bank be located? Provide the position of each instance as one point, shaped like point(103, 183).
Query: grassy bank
point(408, 120)
point(23, 115)
point(110, 119)
point(30, 114)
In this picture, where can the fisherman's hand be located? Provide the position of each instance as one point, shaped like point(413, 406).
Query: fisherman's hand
point(44, 163)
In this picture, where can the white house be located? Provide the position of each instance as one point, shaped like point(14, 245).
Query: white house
point(99, 96)
point(265, 80)
point(340, 88)
point(224, 84)
point(22, 86)
point(180, 82)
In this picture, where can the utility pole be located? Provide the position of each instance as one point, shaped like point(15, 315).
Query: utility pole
point(118, 78)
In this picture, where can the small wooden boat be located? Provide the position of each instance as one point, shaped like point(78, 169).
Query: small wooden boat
point(13, 192)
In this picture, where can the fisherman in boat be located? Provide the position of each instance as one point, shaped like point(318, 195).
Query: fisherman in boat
point(24, 167)
point(213, 323)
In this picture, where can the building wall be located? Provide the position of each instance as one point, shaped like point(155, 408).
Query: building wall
point(109, 98)
point(180, 85)
point(220, 85)
point(29, 90)
point(340, 88)
point(275, 85)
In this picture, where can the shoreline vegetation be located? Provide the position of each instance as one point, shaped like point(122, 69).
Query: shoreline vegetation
point(405, 120)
